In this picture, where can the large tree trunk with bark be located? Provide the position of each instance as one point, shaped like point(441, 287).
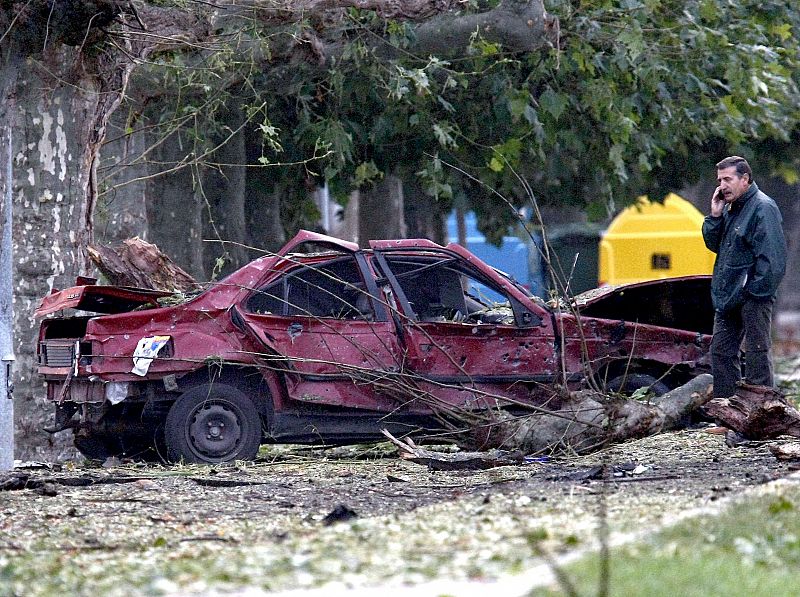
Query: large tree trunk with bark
point(122, 190)
point(756, 412)
point(423, 214)
point(585, 421)
point(263, 199)
point(55, 111)
point(59, 83)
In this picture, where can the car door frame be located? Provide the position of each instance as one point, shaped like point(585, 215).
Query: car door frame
point(530, 338)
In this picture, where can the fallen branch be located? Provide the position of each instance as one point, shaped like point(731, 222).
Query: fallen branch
point(587, 420)
point(459, 461)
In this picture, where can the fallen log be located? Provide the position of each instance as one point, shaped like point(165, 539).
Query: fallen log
point(756, 412)
point(137, 263)
point(585, 421)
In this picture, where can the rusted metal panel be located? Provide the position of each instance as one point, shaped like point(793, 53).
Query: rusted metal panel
point(76, 390)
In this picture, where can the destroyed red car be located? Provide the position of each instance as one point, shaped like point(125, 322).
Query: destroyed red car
point(325, 342)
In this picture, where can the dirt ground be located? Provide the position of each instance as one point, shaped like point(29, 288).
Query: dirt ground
point(306, 508)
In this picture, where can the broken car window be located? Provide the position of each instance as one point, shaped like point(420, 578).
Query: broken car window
point(440, 290)
point(334, 289)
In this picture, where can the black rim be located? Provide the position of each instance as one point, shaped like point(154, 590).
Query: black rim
point(214, 429)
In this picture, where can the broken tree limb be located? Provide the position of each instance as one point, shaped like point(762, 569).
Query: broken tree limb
point(587, 420)
point(756, 412)
point(459, 461)
point(137, 263)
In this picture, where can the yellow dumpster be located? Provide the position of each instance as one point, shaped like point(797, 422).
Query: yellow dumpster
point(648, 241)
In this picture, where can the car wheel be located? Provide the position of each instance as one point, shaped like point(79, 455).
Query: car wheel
point(628, 384)
point(212, 424)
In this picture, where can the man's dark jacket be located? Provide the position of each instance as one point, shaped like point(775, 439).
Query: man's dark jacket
point(751, 250)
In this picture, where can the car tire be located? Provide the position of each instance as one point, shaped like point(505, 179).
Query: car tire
point(628, 384)
point(212, 424)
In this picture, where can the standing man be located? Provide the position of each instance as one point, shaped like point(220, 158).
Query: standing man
point(744, 230)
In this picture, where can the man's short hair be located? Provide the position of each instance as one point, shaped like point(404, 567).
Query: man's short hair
point(742, 167)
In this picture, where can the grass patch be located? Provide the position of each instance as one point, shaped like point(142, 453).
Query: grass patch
point(753, 548)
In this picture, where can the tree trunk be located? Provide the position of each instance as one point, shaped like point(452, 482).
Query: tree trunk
point(56, 123)
point(586, 421)
point(122, 190)
point(263, 200)
point(223, 191)
point(174, 205)
point(423, 214)
point(787, 196)
point(380, 211)
point(346, 228)
point(757, 412)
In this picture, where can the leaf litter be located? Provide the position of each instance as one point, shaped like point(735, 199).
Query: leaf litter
point(350, 516)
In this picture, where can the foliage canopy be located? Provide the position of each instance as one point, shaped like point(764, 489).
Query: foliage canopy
point(636, 97)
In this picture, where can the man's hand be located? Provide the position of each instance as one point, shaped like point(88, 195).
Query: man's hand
point(717, 203)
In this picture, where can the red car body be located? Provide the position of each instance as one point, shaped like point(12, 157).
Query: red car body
point(331, 346)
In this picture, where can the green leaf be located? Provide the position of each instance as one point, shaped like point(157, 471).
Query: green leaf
point(496, 165)
point(445, 104)
point(709, 11)
point(554, 103)
point(615, 157)
point(784, 31)
point(788, 174)
point(730, 106)
point(518, 104)
point(644, 163)
point(485, 48)
point(367, 173)
point(633, 41)
point(443, 133)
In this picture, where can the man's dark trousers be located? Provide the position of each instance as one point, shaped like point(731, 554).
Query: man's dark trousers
point(753, 321)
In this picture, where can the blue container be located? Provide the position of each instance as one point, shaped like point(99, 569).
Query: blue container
point(516, 257)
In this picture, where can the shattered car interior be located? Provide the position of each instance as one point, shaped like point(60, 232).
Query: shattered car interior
point(324, 342)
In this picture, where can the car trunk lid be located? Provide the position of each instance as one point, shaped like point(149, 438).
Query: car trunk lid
point(99, 299)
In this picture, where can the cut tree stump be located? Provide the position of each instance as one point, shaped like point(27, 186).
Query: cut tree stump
point(756, 412)
point(142, 265)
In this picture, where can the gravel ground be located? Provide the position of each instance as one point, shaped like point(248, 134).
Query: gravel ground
point(269, 524)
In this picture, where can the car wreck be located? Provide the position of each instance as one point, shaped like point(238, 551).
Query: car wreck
point(324, 342)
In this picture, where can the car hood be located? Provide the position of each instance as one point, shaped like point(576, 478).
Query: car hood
point(681, 303)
